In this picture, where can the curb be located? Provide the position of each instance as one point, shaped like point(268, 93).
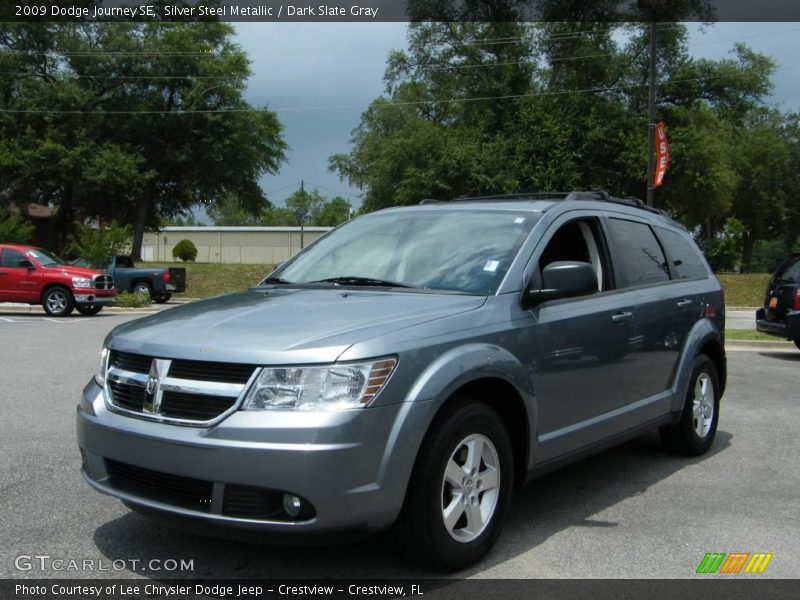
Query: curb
point(742, 308)
point(758, 345)
point(38, 310)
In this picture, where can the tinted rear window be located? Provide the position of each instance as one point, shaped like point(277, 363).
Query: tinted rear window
point(642, 259)
point(685, 259)
point(789, 270)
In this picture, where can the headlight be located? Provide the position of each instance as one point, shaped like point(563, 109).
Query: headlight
point(332, 387)
point(81, 282)
point(100, 376)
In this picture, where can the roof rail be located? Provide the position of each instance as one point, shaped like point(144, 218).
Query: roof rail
point(430, 201)
point(515, 196)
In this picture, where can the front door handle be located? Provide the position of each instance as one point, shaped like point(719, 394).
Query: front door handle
point(621, 317)
point(684, 303)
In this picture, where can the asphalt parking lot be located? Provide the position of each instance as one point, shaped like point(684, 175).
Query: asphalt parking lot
point(631, 512)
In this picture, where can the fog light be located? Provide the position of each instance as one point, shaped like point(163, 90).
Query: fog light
point(292, 505)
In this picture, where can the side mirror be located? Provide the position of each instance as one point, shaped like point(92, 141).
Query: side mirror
point(563, 279)
point(26, 264)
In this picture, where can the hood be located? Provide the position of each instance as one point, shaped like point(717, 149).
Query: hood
point(74, 271)
point(282, 326)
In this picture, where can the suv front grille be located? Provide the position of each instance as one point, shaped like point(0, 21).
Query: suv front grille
point(103, 282)
point(180, 391)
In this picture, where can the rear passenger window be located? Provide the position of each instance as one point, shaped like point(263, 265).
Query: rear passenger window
point(643, 261)
point(685, 260)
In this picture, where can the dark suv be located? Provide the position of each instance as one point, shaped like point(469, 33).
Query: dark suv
point(780, 315)
point(410, 369)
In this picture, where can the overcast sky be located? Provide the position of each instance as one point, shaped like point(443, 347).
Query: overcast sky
point(319, 77)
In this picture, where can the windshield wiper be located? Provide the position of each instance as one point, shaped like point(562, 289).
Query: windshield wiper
point(275, 280)
point(363, 281)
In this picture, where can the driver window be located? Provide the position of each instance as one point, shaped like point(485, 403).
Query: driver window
point(577, 241)
point(10, 259)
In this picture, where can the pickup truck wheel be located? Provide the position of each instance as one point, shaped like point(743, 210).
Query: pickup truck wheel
point(797, 343)
point(694, 433)
point(142, 289)
point(460, 489)
point(162, 298)
point(58, 302)
point(89, 309)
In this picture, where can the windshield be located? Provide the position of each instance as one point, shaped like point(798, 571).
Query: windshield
point(45, 258)
point(456, 250)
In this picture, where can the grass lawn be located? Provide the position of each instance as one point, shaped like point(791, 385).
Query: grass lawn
point(744, 290)
point(211, 279)
point(749, 334)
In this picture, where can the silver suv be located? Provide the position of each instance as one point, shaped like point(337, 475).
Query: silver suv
point(410, 369)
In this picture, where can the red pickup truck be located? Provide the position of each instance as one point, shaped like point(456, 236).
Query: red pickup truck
point(35, 276)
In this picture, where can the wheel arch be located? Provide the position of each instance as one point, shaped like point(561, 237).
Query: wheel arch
point(704, 338)
point(137, 280)
point(51, 285)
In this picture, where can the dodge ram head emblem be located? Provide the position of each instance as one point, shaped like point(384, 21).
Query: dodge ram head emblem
point(152, 389)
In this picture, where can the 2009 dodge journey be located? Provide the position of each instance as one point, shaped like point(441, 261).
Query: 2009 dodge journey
point(410, 369)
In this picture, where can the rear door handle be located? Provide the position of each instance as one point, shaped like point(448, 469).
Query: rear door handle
point(621, 317)
point(683, 303)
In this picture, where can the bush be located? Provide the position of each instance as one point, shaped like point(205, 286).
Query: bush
point(14, 229)
point(99, 245)
point(185, 250)
point(130, 300)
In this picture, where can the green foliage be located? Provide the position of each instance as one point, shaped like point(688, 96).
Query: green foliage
point(98, 245)
point(185, 250)
point(310, 208)
point(131, 300)
point(126, 121)
point(723, 249)
point(14, 229)
point(333, 213)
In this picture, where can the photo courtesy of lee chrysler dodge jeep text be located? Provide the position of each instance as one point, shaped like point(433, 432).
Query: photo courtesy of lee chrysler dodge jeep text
point(410, 369)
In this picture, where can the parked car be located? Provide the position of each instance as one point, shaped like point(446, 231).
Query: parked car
point(35, 276)
point(156, 283)
point(780, 315)
point(410, 369)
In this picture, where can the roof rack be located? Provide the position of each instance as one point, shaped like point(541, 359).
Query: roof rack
point(430, 201)
point(596, 195)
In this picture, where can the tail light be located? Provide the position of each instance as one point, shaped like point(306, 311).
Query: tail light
point(797, 299)
point(709, 311)
point(165, 276)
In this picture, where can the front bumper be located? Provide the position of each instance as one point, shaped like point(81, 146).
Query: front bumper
point(352, 466)
point(89, 296)
point(787, 328)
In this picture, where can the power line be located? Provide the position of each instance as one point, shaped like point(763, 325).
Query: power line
point(618, 88)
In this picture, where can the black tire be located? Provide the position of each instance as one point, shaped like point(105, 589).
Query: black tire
point(684, 437)
point(421, 528)
point(142, 288)
point(58, 301)
point(797, 343)
point(162, 298)
point(89, 309)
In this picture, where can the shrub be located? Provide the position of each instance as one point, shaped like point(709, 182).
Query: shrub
point(185, 250)
point(99, 245)
point(130, 300)
point(14, 229)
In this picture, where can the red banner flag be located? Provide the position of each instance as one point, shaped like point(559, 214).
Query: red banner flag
point(662, 155)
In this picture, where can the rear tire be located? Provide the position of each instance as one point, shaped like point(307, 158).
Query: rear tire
point(143, 289)
point(58, 301)
point(460, 489)
point(694, 434)
point(89, 309)
point(162, 298)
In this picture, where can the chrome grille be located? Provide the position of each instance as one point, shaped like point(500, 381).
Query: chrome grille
point(103, 282)
point(181, 392)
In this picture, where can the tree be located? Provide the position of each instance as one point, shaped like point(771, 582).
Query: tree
point(98, 245)
point(305, 206)
point(130, 120)
point(14, 229)
point(333, 213)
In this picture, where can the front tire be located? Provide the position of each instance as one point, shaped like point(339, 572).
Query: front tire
point(460, 488)
point(89, 309)
point(694, 434)
point(58, 301)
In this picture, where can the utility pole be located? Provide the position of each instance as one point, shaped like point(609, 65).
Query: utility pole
point(651, 111)
point(302, 214)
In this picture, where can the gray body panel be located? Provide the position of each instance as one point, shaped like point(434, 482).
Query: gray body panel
point(584, 379)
